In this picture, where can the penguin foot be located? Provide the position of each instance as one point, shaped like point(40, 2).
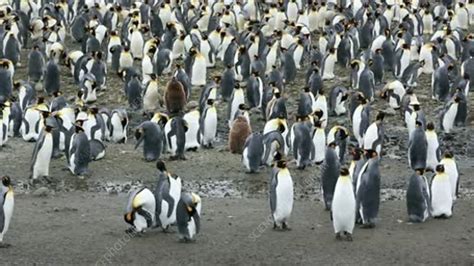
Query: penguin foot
point(338, 236)
point(47, 179)
point(168, 230)
point(368, 226)
point(4, 245)
point(348, 236)
point(285, 227)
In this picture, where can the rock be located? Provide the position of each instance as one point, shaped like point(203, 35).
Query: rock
point(41, 192)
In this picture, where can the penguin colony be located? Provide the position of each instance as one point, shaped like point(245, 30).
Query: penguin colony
point(384, 46)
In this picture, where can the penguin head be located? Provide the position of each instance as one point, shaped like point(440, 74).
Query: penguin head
point(418, 123)
point(160, 165)
point(344, 171)
point(371, 154)
point(440, 168)
point(332, 145)
point(210, 102)
point(6, 181)
point(430, 126)
point(356, 153)
point(448, 154)
point(318, 113)
point(129, 217)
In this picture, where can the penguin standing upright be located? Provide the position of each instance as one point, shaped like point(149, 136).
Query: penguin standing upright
point(238, 134)
point(118, 126)
point(192, 119)
point(441, 194)
point(175, 97)
point(208, 124)
point(175, 133)
point(153, 140)
point(79, 152)
point(448, 115)
point(301, 143)
point(42, 153)
point(167, 194)
point(417, 148)
point(418, 198)
point(319, 142)
point(52, 77)
point(35, 65)
point(281, 195)
point(253, 152)
point(374, 136)
point(198, 68)
point(329, 173)
point(343, 206)
point(360, 120)
point(328, 65)
point(368, 190)
point(7, 204)
point(451, 169)
point(433, 149)
point(140, 210)
point(188, 216)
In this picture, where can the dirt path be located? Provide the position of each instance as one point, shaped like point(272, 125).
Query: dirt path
point(87, 228)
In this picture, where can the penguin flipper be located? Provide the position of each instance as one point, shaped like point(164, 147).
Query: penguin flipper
point(273, 186)
point(2, 214)
point(38, 146)
point(197, 221)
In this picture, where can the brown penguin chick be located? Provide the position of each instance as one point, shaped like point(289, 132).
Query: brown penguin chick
point(239, 132)
point(175, 97)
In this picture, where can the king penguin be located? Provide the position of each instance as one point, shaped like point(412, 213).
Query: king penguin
point(253, 152)
point(175, 133)
point(418, 198)
point(6, 208)
point(79, 152)
point(330, 170)
point(368, 190)
point(42, 152)
point(238, 133)
point(417, 148)
point(343, 206)
point(140, 210)
point(441, 194)
point(433, 149)
point(451, 169)
point(208, 124)
point(281, 195)
point(167, 194)
point(153, 140)
point(188, 216)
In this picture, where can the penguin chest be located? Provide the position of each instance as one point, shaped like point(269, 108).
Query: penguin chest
point(298, 55)
point(8, 206)
point(441, 196)
point(432, 158)
point(28, 126)
point(41, 166)
point(118, 130)
point(356, 121)
point(245, 158)
point(210, 125)
point(237, 100)
point(192, 228)
point(343, 205)
point(452, 172)
point(193, 128)
point(284, 197)
point(370, 137)
point(340, 108)
point(147, 65)
point(198, 75)
point(319, 141)
point(151, 98)
point(449, 116)
point(136, 44)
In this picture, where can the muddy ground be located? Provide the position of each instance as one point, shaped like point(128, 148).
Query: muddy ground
point(79, 220)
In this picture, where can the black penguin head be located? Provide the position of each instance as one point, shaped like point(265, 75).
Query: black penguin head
point(418, 123)
point(430, 126)
point(6, 181)
point(448, 154)
point(420, 171)
point(332, 145)
point(318, 113)
point(356, 153)
point(160, 165)
point(210, 102)
point(281, 164)
point(344, 171)
point(440, 168)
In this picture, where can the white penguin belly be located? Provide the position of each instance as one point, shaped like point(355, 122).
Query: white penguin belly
point(343, 206)
point(8, 207)
point(136, 45)
point(284, 199)
point(245, 159)
point(356, 120)
point(210, 126)
point(118, 132)
point(441, 197)
point(449, 116)
point(371, 135)
point(191, 228)
point(198, 76)
point(319, 141)
point(193, 128)
point(31, 118)
point(43, 158)
point(452, 171)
